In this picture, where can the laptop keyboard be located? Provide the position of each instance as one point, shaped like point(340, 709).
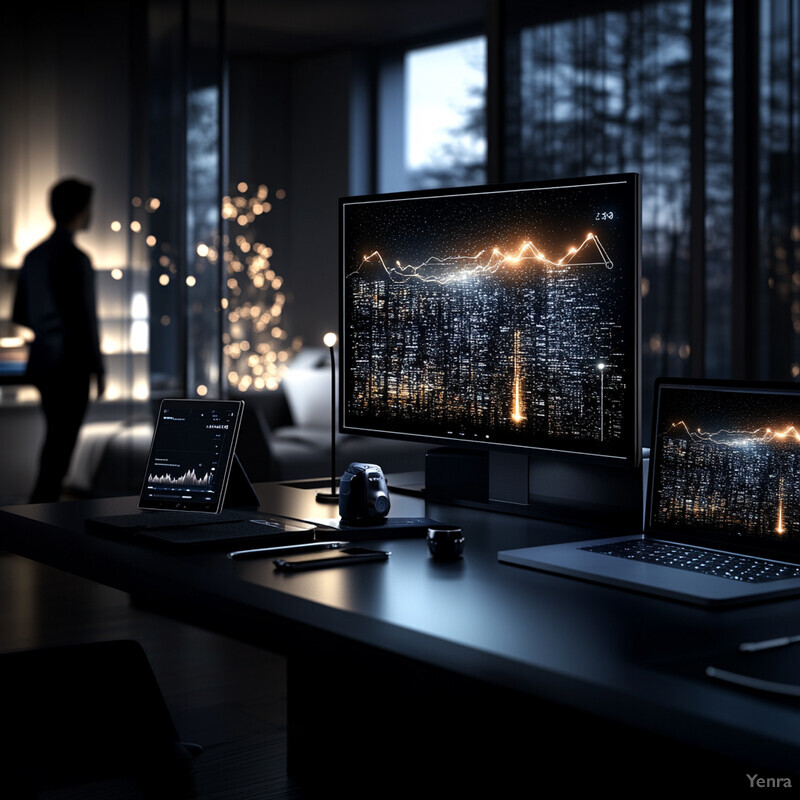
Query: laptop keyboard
point(697, 559)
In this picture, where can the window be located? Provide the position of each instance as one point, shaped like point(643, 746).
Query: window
point(717, 182)
point(649, 88)
point(779, 190)
point(433, 120)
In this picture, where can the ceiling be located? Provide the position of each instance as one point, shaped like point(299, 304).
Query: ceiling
point(304, 26)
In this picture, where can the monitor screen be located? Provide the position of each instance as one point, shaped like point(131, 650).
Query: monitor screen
point(505, 316)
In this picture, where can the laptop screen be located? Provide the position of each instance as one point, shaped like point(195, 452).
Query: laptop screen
point(191, 455)
point(725, 463)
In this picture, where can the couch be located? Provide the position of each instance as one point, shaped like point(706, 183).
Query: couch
point(285, 435)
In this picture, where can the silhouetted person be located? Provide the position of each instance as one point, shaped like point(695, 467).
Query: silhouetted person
point(56, 299)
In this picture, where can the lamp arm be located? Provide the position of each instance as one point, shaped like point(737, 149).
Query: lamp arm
point(333, 422)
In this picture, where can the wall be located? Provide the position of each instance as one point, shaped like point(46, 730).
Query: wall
point(293, 122)
point(66, 102)
point(321, 121)
point(64, 93)
point(291, 127)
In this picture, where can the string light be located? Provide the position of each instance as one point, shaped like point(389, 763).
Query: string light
point(257, 347)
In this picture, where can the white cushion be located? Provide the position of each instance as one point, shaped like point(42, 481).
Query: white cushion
point(308, 393)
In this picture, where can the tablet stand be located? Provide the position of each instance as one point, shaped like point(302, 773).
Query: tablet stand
point(240, 492)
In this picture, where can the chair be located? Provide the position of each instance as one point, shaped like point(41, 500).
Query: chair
point(79, 714)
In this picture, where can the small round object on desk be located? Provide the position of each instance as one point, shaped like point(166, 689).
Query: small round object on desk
point(445, 543)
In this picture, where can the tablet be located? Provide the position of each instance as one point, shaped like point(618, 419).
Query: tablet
point(191, 454)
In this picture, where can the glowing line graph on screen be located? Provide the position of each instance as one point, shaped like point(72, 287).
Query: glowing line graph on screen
point(733, 438)
point(489, 262)
point(189, 478)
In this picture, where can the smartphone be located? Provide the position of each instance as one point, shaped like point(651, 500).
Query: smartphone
point(333, 558)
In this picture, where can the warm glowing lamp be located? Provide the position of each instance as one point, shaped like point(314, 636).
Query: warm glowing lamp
point(331, 496)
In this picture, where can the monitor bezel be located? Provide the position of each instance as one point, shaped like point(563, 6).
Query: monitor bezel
point(633, 456)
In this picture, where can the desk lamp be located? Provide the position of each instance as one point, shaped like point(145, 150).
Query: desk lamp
point(331, 496)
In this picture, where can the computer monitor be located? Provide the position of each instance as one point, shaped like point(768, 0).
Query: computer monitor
point(502, 317)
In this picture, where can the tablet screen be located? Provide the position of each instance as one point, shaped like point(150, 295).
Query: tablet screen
point(190, 459)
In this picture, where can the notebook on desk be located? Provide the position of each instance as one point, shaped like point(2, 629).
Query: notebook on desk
point(192, 480)
point(722, 522)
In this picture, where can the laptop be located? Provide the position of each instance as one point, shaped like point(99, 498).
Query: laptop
point(722, 519)
point(195, 493)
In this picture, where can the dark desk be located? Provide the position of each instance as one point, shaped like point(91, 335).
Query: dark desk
point(473, 667)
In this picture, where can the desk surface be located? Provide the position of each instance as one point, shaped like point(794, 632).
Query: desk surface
point(628, 658)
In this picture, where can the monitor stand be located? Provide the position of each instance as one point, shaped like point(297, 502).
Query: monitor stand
point(537, 486)
point(509, 478)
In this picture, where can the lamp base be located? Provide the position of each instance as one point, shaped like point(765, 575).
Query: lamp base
point(331, 496)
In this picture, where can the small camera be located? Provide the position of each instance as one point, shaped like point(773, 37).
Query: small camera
point(363, 494)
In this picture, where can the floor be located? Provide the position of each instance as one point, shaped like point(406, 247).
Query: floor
point(224, 695)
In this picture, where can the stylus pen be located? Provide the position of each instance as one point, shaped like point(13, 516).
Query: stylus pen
point(753, 683)
point(768, 644)
point(261, 552)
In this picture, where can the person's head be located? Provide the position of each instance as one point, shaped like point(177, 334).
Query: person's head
point(70, 200)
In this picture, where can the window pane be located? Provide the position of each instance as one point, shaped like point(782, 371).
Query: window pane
point(445, 109)
point(610, 92)
point(718, 187)
point(780, 189)
point(202, 279)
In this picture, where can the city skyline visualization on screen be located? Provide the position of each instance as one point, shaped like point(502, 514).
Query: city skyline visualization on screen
point(503, 316)
point(729, 462)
